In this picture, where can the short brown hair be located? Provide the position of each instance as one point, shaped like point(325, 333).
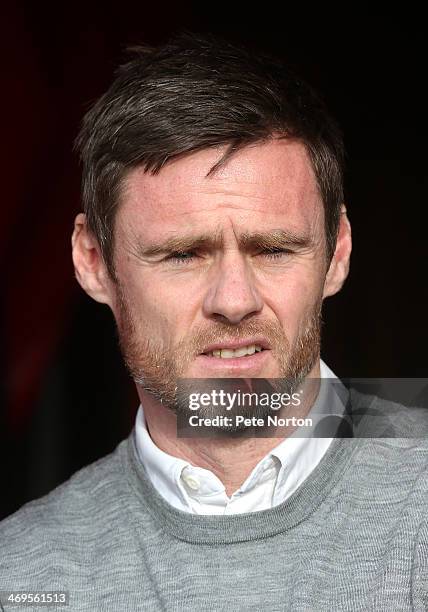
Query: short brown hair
point(194, 92)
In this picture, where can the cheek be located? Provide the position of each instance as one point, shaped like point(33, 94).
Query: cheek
point(157, 311)
point(294, 301)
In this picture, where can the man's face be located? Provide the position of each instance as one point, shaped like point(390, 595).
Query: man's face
point(209, 262)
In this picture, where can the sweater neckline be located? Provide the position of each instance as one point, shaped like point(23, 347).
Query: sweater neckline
point(227, 529)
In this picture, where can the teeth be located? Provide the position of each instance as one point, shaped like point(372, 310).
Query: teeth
point(240, 352)
point(245, 351)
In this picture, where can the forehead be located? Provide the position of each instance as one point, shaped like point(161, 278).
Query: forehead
point(264, 181)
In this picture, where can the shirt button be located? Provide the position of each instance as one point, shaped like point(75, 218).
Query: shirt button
point(191, 481)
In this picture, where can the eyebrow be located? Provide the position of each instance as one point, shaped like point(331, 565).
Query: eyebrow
point(273, 239)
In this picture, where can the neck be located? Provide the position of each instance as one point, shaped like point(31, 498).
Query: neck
point(231, 460)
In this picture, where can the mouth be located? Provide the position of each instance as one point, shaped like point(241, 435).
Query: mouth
point(225, 353)
point(236, 349)
point(236, 355)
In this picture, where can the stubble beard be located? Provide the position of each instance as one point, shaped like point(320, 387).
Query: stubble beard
point(159, 370)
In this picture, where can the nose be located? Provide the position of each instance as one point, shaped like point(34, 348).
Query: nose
point(232, 294)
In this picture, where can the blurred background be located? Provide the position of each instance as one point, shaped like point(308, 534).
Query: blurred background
point(65, 396)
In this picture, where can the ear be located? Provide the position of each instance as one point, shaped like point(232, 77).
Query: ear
point(339, 265)
point(89, 266)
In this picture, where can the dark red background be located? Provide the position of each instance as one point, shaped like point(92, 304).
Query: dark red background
point(66, 396)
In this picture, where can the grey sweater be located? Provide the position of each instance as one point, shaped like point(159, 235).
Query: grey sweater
point(353, 537)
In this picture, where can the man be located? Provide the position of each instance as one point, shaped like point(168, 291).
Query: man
point(214, 228)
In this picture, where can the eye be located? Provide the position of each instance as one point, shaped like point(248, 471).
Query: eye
point(275, 253)
point(180, 257)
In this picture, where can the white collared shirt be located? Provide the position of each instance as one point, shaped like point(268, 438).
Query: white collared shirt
point(198, 490)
